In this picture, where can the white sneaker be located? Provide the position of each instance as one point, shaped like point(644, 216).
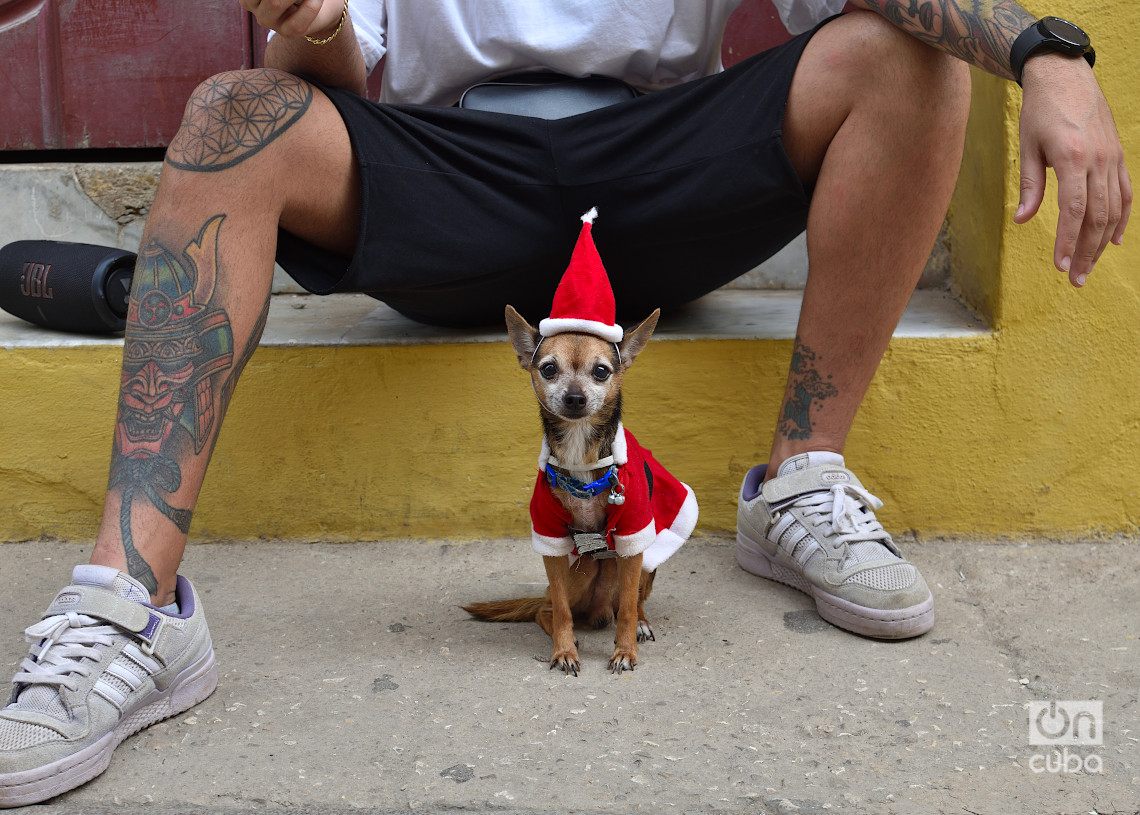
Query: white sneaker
point(104, 664)
point(813, 527)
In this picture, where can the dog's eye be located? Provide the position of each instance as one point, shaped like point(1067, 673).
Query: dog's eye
point(548, 370)
point(601, 373)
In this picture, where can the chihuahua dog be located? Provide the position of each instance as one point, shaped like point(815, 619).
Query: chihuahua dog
point(604, 513)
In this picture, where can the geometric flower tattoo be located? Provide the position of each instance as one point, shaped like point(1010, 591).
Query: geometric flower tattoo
point(232, 116)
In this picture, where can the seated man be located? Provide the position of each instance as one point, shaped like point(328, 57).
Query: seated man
point(854, 130)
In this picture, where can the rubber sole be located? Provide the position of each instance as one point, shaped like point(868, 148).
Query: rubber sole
point(190, 687)
point(888, 624)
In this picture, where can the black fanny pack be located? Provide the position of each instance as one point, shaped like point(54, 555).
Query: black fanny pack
point(545, 95)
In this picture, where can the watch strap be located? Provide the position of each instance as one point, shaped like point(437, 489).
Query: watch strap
point(1033, 39)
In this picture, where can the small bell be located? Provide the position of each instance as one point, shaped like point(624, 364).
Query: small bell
point(616, 498)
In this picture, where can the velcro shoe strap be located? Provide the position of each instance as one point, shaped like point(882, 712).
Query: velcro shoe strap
point(104, 605)
point(786, 488)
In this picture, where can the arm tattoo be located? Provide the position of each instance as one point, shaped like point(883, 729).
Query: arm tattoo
point(234, 115)
point(979, 31)
point(178, 350)
point(806, 389)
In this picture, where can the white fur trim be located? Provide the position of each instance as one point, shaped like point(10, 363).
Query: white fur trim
point(686, 520)
point(600, 464)
point(620, 454)
point(619, 448)
point(551, 546)
point(626, 545)
point(668, 541)
point(664, 546)
point(589, 217)
point(563, 325)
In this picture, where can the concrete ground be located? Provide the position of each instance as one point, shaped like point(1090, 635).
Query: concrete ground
point(351, 681)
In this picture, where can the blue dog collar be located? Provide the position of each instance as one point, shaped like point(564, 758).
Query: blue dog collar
point(580, 489)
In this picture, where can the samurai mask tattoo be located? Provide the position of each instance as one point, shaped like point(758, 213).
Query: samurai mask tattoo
point(178, 348)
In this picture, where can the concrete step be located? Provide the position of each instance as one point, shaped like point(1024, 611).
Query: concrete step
point(353, 423)
point(106, 203)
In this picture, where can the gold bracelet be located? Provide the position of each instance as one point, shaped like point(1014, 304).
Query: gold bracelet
point(332, 36)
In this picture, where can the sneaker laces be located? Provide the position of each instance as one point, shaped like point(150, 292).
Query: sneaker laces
point(852, 517)
point(66, 643)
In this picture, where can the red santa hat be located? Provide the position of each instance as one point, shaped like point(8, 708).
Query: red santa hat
point(584, 300)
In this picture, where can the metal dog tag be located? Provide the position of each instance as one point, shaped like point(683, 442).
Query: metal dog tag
point(593, 544)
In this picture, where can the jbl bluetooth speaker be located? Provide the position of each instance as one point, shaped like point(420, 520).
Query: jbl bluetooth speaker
point(66, 286)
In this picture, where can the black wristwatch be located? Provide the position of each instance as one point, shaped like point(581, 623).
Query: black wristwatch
point(1052, 33)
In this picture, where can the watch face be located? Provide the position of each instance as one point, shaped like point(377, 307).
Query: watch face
point(1066, 33)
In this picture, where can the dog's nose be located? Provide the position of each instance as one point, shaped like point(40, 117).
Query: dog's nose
point(574, 401)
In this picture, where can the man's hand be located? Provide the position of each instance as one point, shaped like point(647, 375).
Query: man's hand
point(337, 62)
point(1066, 125)
point(313, 18)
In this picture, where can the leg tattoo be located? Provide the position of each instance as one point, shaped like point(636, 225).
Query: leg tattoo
point(231, 116)
point(148, 474)
point(806, 389)
point(177, 349)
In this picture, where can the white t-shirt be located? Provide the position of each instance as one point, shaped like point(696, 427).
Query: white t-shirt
point(437, 48)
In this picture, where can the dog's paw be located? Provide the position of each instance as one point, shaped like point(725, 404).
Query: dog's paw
point(644, 632)
point(568, 662)
point(622, 661)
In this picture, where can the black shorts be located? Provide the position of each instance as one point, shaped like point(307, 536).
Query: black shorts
point(465, 211)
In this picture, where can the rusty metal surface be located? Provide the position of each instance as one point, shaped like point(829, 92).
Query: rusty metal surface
point(117, 73)
point(109, 73)
point(752, 28)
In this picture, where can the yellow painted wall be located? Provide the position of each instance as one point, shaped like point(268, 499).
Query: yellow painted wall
point(1031, 429)
point(1069, 361)
point(364, 442)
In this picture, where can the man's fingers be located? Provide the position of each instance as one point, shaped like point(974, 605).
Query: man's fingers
point(1095, 226)
point(1125, 204)
point(297, 19)
point(1100, 204)
point(287, 17)
point(1032, 185)
point(1072, 198)
point(1115, 208)
point(1066, 125)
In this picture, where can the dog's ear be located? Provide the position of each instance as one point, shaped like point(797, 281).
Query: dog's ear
point(635, 341)
point(524, 337)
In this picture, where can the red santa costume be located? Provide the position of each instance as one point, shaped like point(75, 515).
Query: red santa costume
point(659, 512)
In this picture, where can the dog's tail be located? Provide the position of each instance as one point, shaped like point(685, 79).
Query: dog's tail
point(523, 609)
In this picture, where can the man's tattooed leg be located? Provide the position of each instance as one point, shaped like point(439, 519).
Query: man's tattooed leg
point(806, 390)
point(198, 307)
point(178, 350)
